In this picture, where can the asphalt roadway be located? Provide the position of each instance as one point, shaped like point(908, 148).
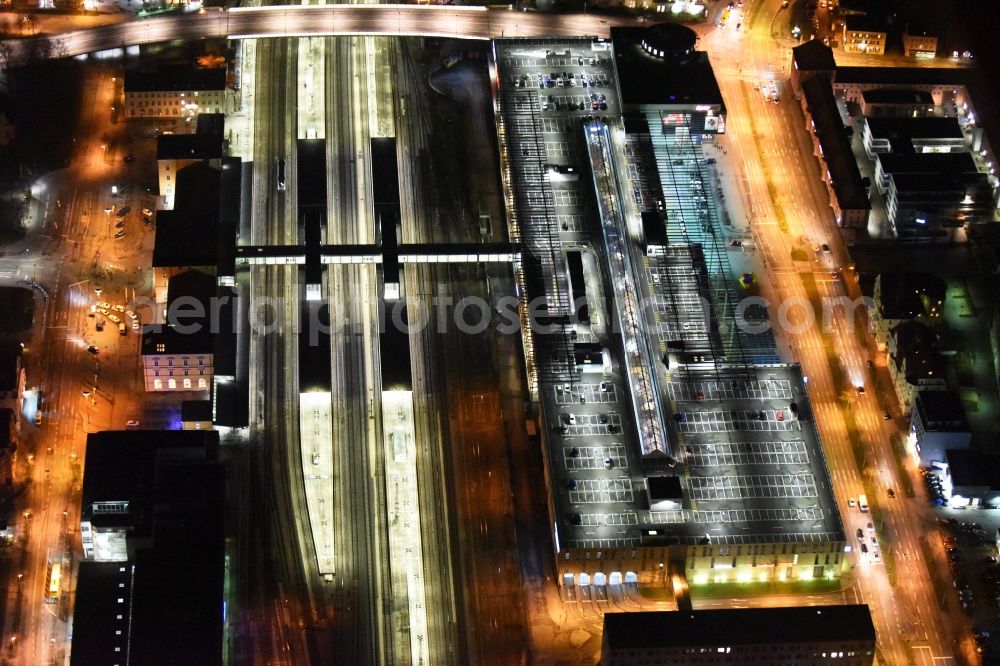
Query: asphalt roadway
point(306, 20)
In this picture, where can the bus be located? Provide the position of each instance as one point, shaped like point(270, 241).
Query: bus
point(54, 583)
point(863, 503)
point(281, 175)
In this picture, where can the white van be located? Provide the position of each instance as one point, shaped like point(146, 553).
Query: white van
point(863, 503)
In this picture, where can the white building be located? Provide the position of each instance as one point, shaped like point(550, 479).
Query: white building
point(174, 93)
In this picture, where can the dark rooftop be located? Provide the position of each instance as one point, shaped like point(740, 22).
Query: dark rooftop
point(915, 352)
point(936, 163)
point(813, 56)
point(179, 79)
point(191, 285)
point(232, 406)
point(921, 127)
point(10, 353)
point(98, 614)
point(186, 238)
point(654, 229)
point(979, 81)
point(912, 334)
point(861, 23)
point(6, 427)
point(844, 173)
point(900, 293)
point(394, 344)
point(914, 29)
point(903, 75)
point(174, 581)
point(897, 96)
point(230, 198)
point(226, 358)
point(121, 465)
point(968, 467)
point(647, 80)
point(670, 41)
point(314, 347)
point(187, 331)
point(196, 410)
point(211, 123)
point(943, 188)
point(746, 626)
point(188, 146)
point(198, 188)
point(941, 411)
point(664, 488)
point(168, 340)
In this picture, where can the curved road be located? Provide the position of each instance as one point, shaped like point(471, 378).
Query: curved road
point(303, 20)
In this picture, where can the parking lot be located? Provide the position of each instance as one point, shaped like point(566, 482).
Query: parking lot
point(751, 389)
point(966, 573)
point(763, 420)
point(754, 469)
point(752, 472)
point(547, 90)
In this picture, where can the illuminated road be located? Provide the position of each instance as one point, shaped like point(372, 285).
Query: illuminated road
point(69, 251)
point(292, 21)
point(777, 183)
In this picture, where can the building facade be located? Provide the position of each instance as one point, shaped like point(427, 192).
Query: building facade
point(938, 423)
point(918, 43)
point(862, 35)
point(167, 369)
point(175, 93)
point(901, 297)
point(813, 69)
point(178, 354)
point(914, 363)
point(12, 377)
point(177, 151)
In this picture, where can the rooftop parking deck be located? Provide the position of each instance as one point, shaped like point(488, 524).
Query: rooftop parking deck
point(750, 470)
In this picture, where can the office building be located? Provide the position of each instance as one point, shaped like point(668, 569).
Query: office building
point(938, 423)
point(920, 204)
point(933, 164)
point(970, 478)
point(150, 588)
point(896, 102)
point(926, 134)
